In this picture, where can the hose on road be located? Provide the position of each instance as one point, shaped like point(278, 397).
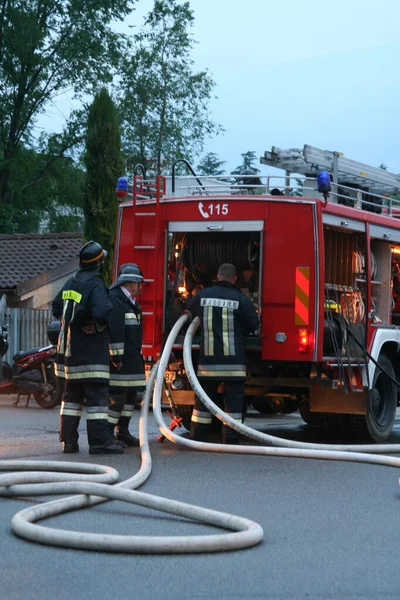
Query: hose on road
point(93, 484)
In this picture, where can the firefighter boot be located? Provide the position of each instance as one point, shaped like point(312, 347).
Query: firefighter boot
point(69, 434)
point(110, 448)
point(100, 440)
point(123, 434)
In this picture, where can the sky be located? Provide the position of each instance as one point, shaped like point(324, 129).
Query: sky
point(291, 73)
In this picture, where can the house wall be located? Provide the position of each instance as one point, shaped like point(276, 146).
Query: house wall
point(43, 296)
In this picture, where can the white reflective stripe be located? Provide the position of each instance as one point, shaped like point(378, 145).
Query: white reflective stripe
point(100, 415)
point(127, 413)
point(221, 373)
point(231, 332)
point(131, 315)
point(115, 345)
point(87, 375)
point(236, 416)
point(68, 344)
point(210, 330)
point(113, 420)
point(197, 419)
point(116, 349)
point(222, 367)
point(116, 352)
point(201, 413)
point(124, 383)
point(80, 368)
point(225, 333)
point(129, 407)
point(70, 413)
point(114, 413)
point(71, 405)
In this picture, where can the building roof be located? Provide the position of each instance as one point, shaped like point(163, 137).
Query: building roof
point(24, 256)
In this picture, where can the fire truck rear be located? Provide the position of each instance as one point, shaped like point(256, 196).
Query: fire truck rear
point(322, 270)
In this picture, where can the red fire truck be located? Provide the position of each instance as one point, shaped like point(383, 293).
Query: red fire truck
point(323, 272)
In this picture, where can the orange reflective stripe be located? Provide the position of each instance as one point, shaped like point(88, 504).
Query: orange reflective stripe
point(302, 296)
point(89, 260)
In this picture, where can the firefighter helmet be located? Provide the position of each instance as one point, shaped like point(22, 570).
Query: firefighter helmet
point(91, 255)
point(128, 272)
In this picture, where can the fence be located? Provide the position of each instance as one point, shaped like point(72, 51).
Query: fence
point(27, 328)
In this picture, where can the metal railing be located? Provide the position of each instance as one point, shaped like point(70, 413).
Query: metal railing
point(263, 185)
point(27, 328)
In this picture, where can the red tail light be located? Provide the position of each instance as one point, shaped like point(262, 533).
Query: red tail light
point(303, 340)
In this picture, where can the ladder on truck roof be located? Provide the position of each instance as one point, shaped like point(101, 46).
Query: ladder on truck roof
point(309, 161)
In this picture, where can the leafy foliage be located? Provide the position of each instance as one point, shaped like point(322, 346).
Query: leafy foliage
point(164, 102)
point(48, 47)
point(104, 164)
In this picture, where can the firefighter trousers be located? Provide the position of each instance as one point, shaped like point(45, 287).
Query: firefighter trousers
point(120, 408)
point(233, 395)
point(96, 396)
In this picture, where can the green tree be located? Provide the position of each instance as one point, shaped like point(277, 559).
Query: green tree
point(164, 102)
point(104, 164)
point(48, 47)
point(211, 165)
point(36, 201)
point(248, 160)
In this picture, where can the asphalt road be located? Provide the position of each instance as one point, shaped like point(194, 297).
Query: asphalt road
point(331, 529)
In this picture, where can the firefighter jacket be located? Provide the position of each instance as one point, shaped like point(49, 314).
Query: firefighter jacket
point(83, 301)
point(226, 316)
point(126, 344)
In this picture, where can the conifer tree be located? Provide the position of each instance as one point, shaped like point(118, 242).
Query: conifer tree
point(104, 164)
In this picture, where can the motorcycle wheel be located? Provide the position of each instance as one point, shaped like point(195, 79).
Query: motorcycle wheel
point(53, 398)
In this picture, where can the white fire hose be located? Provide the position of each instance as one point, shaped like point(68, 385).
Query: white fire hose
point(96, 483)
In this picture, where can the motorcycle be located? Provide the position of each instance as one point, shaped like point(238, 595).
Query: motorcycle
point(32, 373)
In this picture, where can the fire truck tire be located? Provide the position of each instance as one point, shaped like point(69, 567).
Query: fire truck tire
point(262, 405)
point(311, 418)
point(377, 424)
point(288, 406)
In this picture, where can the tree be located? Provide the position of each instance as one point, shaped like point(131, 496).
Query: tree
point(43, 203)
point(249, 158)
point(164, 102)
point(104, 164)
point(211, 165)
point(48, 47)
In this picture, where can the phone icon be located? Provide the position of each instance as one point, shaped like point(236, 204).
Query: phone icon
point(203, 212)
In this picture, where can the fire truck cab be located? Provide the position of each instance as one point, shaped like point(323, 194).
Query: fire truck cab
point(322, 272)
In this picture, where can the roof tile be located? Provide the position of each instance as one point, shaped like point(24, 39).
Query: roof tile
point(23, 256)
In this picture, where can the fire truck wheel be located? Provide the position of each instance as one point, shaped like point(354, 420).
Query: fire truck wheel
point(311, 418)
point(262, 405)
point(381, 406)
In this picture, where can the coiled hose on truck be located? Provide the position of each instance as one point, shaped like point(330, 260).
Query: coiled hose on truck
point(93, 484)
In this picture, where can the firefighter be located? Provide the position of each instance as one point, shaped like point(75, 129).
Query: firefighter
point(127, 366)
point(226, 316)
point(84, 308)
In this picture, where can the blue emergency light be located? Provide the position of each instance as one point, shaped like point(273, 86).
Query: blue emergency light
point(324, 183)
point(122, 187)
